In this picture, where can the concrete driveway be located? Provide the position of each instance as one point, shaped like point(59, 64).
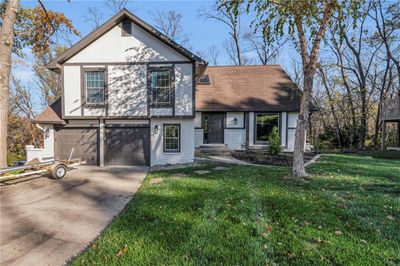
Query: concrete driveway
point(45, 222)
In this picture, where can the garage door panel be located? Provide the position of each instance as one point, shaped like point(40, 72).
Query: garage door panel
point(127, 146)
point(84, 142)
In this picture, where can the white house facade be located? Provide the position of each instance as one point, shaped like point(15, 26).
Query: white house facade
point(129, 98)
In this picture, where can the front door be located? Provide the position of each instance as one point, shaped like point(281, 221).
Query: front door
point(214, 128)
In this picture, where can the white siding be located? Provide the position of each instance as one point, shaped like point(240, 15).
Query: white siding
point(48, 141)
point(283, 128)
point(72, 91)
point(251, 128)
point(127, 84)
point(235, 138)
point(127, 90)
point(230, 119)
point(88, 111)
point(140, 46)
point(198, 137)
point(291, 139)
point(183, 89)
point(186, 155)
point(197, 120)
point(292, 123)
point(160, 111)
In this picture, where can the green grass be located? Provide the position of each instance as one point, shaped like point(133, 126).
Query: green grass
point(347, 214)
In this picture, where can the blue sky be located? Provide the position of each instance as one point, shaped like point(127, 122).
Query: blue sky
point(202, 33)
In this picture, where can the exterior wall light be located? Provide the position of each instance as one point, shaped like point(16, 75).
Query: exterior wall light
point(155, 130)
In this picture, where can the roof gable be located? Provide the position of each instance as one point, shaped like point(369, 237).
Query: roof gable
point(110, 24)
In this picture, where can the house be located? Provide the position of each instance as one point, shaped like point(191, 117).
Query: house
point(132, 96)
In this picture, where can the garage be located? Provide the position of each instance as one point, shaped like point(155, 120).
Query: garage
point(82, 140)
point(127, 146)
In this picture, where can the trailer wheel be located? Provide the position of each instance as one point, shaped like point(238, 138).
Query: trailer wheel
point(58, 171)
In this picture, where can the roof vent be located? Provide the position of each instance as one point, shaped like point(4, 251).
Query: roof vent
point(126, 27)
point(204, 80)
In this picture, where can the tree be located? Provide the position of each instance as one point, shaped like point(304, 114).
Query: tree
point(94, 16)
point(221, 11)
point(7, 38)
point(170, 24)
point(48, 82)
point(265, 50)
point(306, 22)
point(22, 27)
point(116, 5)
point(213, 55)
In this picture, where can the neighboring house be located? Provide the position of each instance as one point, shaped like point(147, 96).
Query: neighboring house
point(132, 96)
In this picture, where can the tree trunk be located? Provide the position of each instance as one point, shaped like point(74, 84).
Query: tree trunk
point(363, 124)
point(298, 160)
point(6, 43)
point(398, 134)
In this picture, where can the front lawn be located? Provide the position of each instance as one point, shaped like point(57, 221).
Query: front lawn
point(348, 213)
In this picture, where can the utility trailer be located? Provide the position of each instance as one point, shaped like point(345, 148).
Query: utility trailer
point(56, 169)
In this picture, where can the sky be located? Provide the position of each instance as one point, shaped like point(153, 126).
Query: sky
point(202, 33)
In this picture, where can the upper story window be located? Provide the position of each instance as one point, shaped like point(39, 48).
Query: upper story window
point(126, 27)
point(160, 86)
point(94, 85)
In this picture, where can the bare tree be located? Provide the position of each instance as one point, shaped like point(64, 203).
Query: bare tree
point(222, 12)
point(213, 55)
point(116, 5)
point(265, 50)
point(94, 16)
point(21, 100)
point(387, 24)
point(170, 24)
point(7, 38)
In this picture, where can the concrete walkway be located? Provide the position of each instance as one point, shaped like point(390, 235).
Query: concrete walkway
point(46, 222)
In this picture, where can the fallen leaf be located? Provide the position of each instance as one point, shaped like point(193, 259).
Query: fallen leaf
point(318, 240)
point(364, 241)
point(290, 255)
point(122, 251)
point(390, 218)
point(338, 233)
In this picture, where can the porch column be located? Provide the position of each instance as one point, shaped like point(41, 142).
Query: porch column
point(101, 143)
point(383, 144)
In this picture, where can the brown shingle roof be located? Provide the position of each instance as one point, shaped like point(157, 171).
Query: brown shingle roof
point(248, 88)
point(51, 115)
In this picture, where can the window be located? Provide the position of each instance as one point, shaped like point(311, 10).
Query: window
point(172, 137)
point(160, 81)
point(94, 82)
point(204, 80)
point(264, 125)
point(126, 28)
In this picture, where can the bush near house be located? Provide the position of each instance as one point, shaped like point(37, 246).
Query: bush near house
point(348, 213)
point(274, 147)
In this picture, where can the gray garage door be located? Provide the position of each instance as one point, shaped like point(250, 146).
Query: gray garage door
point(127, 146)
point(83, 140)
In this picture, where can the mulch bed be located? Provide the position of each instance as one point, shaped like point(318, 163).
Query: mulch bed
point(262, 157)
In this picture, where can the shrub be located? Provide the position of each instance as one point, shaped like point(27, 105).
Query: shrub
point(274, 147)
